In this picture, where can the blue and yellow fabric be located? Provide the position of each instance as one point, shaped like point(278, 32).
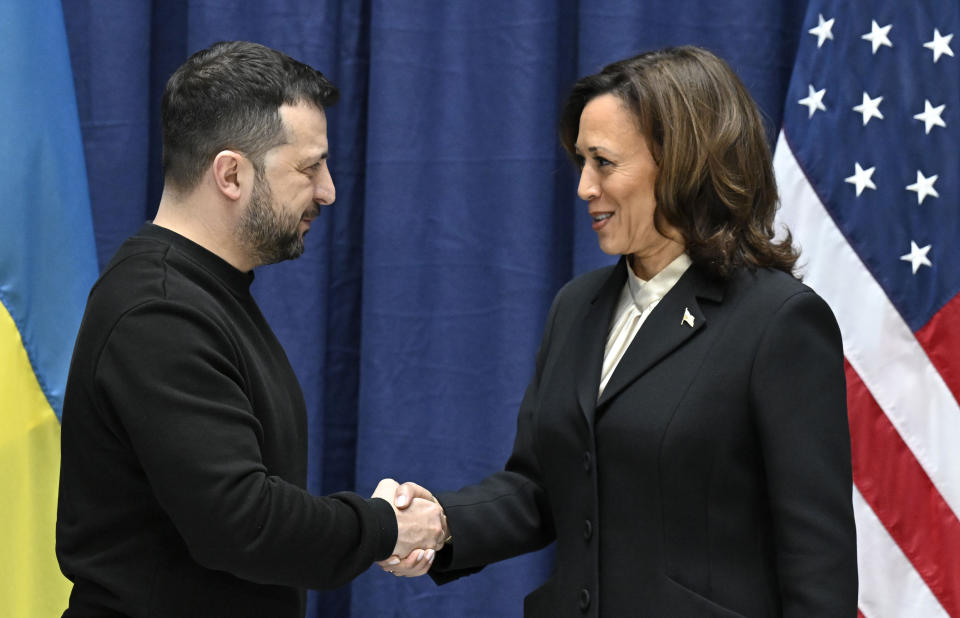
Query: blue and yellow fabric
point(47, 265)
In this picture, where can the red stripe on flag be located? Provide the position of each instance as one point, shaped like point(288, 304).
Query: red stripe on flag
point(940, 338)
point(900, 493)
point(860, 614)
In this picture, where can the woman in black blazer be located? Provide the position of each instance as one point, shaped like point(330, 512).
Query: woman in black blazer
point(684, 438)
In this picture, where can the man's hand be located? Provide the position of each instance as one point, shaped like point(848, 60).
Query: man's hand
point(405, 494)
point(421, 526)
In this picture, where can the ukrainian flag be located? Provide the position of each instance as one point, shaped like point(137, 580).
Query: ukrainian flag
point(47, 265)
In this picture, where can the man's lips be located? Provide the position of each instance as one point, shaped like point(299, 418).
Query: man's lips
point(310, 215)
point(307, 219)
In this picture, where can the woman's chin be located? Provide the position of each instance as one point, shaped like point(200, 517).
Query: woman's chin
point(610, 248)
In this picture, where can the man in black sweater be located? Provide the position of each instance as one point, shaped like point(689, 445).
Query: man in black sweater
point(184, 447)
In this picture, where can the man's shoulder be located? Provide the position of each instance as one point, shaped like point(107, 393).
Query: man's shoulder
point(134, 275)
point(146, 272)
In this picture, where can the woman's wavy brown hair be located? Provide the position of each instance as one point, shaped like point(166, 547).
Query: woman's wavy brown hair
point(715, 181)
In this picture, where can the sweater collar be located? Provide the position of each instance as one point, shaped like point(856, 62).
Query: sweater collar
point(238, 281)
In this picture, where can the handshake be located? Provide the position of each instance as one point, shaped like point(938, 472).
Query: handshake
point(421, 528)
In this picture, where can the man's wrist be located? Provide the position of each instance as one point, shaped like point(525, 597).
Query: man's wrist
point(388, 527)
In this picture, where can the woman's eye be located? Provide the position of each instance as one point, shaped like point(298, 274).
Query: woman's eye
point(601, 162)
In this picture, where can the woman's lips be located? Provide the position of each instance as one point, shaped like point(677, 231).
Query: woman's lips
point(600, 219)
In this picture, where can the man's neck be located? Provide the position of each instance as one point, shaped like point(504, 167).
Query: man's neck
point(198, 220)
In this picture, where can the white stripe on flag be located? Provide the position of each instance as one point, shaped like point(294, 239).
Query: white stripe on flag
point(876, 340)
point(889, 585)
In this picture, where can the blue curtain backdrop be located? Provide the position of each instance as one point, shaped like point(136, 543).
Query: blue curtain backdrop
point(413, 318)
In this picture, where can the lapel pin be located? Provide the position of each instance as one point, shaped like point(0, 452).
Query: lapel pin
point(687, 318)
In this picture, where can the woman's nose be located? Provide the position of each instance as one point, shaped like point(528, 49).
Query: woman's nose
point(587, 188)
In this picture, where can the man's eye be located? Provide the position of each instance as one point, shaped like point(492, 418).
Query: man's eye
point(601, 162)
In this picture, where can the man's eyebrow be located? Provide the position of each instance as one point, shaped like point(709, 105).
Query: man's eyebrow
point(313, 158)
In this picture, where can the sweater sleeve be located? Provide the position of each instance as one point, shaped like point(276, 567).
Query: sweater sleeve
point(799, 399)
point(169, 376)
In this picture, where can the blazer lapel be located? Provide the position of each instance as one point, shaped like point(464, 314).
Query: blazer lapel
point(587, 351)
point(675, 319)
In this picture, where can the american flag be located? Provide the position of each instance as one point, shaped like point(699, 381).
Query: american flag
point(868, 165)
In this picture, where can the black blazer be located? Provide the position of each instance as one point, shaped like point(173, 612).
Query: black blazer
point(712, 478)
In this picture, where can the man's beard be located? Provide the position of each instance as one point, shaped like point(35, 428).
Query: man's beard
point(268, 234)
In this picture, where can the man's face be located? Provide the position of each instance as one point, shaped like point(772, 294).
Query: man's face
point(294, 185)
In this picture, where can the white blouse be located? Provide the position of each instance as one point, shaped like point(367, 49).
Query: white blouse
point(637, 300)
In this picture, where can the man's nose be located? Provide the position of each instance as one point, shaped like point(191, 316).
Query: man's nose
point(324, 192)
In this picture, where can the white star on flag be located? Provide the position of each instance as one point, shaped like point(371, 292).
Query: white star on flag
point(861, 178)
point(878, 36)
point(814, 100)
point(939, 45)
point(917, 256)
point(931, 115)
point(824, 30)
point(870, 108)
point(924, 187)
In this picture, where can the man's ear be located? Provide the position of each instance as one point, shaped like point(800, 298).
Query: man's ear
point(229, 173)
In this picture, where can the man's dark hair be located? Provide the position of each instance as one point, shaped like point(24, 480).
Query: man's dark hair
point(228, 97)
point(715, 180)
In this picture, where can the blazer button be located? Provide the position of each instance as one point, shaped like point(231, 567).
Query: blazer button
point(584, 600)
point(587, 530)
point(587, 461)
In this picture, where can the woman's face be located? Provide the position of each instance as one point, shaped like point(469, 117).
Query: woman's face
point(617, 181)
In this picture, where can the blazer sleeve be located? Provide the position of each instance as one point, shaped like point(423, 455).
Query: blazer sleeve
point(798, 394)
point(506, 514)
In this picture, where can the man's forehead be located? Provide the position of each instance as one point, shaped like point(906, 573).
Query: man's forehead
point(305, 126)
point(303, 115)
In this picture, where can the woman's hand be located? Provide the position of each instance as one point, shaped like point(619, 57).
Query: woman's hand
point(416, 564)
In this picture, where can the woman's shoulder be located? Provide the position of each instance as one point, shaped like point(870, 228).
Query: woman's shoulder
point(769, 290)
point(767, 283)
point(587, 285)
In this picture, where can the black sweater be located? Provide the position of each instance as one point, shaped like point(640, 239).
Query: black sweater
point(184, 452)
